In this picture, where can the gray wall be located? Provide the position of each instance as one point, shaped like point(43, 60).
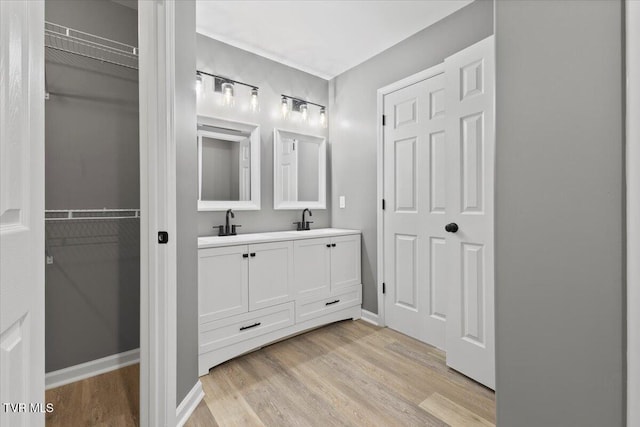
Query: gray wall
point(559, 214)
point(273, 79)
point(353, 121)
point(91, 130)
point(187, 196)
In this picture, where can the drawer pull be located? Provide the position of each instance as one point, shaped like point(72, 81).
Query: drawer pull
point(332, 302)
point(242, 328)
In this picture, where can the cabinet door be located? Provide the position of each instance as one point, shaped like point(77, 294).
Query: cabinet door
point(345, 261)
point(270, 274)
point(223, 282)
point(312, 267)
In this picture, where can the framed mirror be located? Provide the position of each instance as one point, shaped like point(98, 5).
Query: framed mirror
point(300, 170)
point(228, 165)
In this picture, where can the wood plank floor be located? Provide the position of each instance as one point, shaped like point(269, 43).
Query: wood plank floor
point(345, 374)
point(107, 400)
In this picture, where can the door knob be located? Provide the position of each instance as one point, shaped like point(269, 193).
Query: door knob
point(451, 228)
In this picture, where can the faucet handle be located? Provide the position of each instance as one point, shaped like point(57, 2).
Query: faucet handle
point(299, 224)
point(233, 229)
point(220, 230)
point(306, 225)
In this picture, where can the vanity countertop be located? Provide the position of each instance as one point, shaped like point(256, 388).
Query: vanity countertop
point(274, 236)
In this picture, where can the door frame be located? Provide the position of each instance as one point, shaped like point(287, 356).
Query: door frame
point(158, 262)
point(632, 59)
point(400, 84)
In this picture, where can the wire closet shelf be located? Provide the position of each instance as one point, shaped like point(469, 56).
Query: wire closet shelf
point(67, 39)
point(90, 214)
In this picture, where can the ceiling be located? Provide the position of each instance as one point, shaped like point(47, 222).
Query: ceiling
point(324, 38)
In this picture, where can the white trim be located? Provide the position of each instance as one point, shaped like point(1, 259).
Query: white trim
point(158, 287)
point(408, 81)
point(189, 404)
point(633, 209)
point(369, 317)
point(91, 369)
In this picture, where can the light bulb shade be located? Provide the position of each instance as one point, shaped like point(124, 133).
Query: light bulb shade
point(198, 83)
point(323, 117)
point(227, 94)
point(304, 111)
point(284, 107)
point(254, 103)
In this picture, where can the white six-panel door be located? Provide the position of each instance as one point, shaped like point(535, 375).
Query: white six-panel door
point(438, 151)
point(470, 174)
point(22, 213)
point(415, 194)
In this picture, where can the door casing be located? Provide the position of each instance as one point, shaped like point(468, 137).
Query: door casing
point(408, 81)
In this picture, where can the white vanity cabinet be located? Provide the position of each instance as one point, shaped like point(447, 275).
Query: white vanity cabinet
point(256, 289)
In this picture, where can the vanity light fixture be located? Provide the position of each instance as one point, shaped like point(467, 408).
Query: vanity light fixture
point(227, 87)
point(302, 106)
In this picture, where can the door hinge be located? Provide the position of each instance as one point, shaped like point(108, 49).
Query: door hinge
point(384, 288)
point(383, 204)
point(384, 120)
point(163, 237)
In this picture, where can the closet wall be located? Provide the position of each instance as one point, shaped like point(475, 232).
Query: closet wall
point(92, 162)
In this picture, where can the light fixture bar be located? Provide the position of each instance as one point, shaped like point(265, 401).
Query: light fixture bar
point(302, 101)
point(226, 79)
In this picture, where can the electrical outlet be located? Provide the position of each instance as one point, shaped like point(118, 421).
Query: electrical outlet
point(342, 202)
point(49, 259)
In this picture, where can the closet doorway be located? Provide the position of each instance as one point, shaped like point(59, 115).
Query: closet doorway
point(436, 180)
point(92, 213)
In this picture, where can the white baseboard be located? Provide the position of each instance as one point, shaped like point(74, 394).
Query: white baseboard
point(189, 404)
point(369, 317)
point(91, 368)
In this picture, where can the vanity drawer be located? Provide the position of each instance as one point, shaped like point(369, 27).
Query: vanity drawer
point(231, 330)
point(310, 308)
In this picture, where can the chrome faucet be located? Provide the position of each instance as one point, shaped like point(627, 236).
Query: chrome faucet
point(304, 225)
point(227, 229)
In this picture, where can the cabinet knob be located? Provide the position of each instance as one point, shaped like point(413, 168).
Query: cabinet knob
point(333, 245)
point(328, 245)
point(253, 254)
point(245, 255)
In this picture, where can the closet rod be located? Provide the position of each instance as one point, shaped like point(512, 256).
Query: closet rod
point(92, 214)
